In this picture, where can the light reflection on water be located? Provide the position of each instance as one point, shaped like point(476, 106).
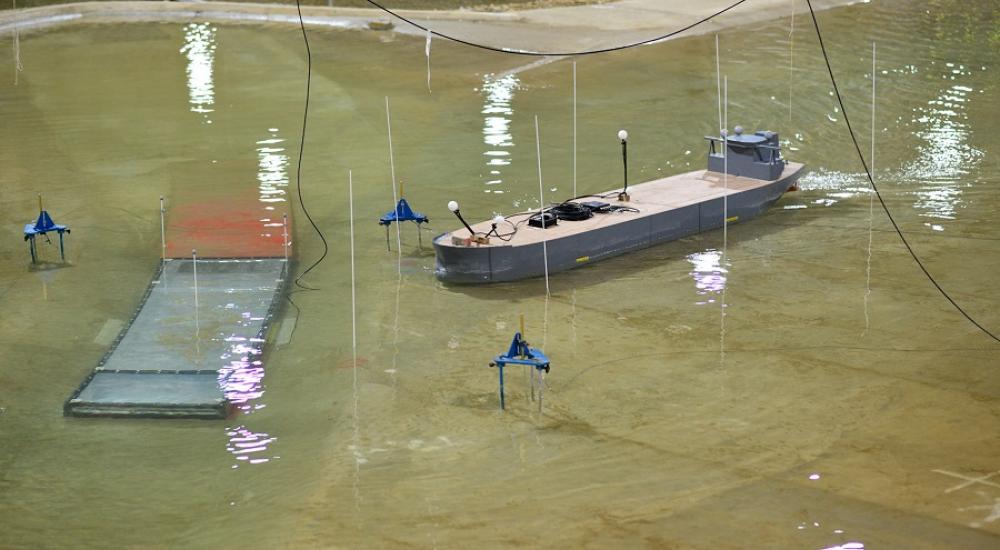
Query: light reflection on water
point(241, 379)
point(199, 48)
point(272, 173)
point(242, 374)
point(247, 445)
point(709, 274)
point(940, 164)
point(498, 92)
point(946, 156)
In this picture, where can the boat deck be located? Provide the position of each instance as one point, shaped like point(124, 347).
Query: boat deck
point(649, 198)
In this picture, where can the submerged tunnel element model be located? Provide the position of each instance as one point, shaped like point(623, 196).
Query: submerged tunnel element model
point(746, 174)
point(194, 346)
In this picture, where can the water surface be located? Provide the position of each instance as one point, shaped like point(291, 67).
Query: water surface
point(837, 401)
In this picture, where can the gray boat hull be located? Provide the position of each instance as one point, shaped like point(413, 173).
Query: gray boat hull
point(492, 264)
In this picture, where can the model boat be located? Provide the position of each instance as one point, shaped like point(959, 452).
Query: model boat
point(746, 174)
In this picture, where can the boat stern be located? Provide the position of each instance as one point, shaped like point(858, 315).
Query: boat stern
point(460, 264)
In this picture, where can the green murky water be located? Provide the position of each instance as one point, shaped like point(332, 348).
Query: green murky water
point(814, 414)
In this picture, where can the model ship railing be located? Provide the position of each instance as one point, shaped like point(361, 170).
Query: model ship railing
point(757, 155)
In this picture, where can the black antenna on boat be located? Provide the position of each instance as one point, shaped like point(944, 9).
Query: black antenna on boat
point(623, 135)
point(453, 206)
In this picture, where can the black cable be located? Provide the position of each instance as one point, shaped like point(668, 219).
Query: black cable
point(871, 180)
point(302, 145)
point(571, 211)
point(543, 54)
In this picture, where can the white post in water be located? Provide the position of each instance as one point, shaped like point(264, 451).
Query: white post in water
point(791, 60)
point(284, 236)
point(541, 207)
point(163, 232)
point(574, 128)
point(871, 205)
point(354, 323)
point(395, 197)
point(725, 222)
point(427, 54)
point(194, 269)
point(718, 81)
point(528, 368)
point(197, 318)
point(725, 171)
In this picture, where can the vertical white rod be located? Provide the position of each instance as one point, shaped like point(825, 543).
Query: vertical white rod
point(163, 232)
point(574, 128)
point(197, 317)
point(395, 198)
point(871, 204)
point(194, 269)
point(725, 172)
point(427, 53)
point(18, 67)
point(541, 207)
point(872, 163)
point(399, 240)
point(356, 436)
point(718, 80)
point(725, 223)
point(354, 323)
point(791, 60)
point(284, 236)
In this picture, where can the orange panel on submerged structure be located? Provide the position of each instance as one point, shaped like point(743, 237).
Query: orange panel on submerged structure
point(227, 227)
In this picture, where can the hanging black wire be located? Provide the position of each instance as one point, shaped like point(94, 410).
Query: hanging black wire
point(545, 54)
point(871, 181)
point(302, 146)
point(298, 179)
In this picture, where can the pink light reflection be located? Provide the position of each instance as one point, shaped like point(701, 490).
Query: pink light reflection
point(708, 273)
point(249, 446)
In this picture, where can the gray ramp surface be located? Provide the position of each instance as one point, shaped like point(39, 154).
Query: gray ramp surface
point(188, 353)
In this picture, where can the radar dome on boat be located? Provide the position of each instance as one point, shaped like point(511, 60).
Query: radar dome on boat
point(622, 135)
point(453, 206)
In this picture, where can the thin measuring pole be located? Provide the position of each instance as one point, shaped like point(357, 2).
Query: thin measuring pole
point(718, 79)
point(541, 207)
point(871, 205)
point(427, 53)
point(194, 270)
point(725, 174)
point(197, 317)
point(530, 380)
point(791, 60)
point(574, 128)
point(395, 198)
point(284, 235)
point(356, 436)
point(354, 322)
point(18, 67)
point(725, 224)
point(163, 232)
